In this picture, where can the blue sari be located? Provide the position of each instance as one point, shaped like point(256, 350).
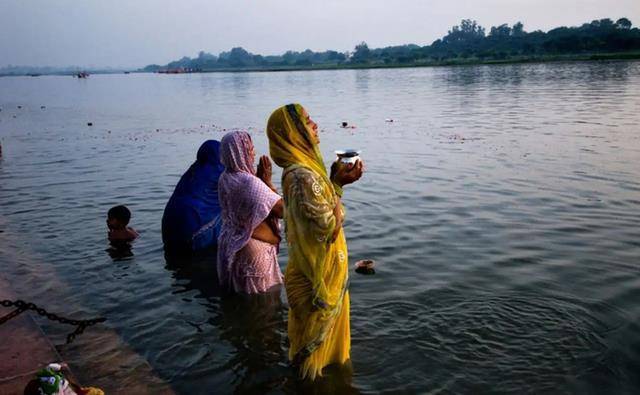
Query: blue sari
point(191, 219)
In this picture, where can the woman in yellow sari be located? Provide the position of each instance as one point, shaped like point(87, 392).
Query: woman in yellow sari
point(316, 277)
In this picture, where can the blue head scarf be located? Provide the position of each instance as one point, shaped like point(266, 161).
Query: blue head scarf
point(201, 180)
point(193, 211)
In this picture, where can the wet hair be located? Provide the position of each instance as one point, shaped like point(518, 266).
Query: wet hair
point(121, 213)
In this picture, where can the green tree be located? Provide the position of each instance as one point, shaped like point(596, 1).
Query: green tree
point(334, 56)
point(517, 30)
point(239, 57)
point(500, 31)
point(468, 30)
point(623, 23)
point(361, 54)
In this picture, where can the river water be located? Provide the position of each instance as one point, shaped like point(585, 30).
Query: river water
point(502, 206)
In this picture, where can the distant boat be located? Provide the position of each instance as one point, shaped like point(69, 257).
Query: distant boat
point(179, 70)
point(34, 75)
point(82, 74)
point(127, 72)
point(173, 71)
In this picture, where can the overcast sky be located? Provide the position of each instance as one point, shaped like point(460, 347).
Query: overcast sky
point(134, 33)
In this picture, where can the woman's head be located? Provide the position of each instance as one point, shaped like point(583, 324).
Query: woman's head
point(293, 138)
point(237, 152)
point(209, 153)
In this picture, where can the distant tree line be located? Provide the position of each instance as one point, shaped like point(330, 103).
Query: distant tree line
point(241, 58)
point(466, 42)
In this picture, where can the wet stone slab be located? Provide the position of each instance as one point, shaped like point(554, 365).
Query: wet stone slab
point(24, 349)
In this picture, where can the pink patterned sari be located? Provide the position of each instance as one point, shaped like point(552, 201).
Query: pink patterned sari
point(244, 264)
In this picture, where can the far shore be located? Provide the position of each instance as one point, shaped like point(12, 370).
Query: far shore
point(354, 66)
point(444, 63)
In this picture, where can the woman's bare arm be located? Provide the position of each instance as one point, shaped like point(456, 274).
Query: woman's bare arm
point(263, 232)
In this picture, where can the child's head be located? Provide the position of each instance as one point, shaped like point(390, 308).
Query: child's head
point(118, 217)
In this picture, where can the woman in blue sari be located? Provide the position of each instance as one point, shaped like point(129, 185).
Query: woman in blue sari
point(191, 220)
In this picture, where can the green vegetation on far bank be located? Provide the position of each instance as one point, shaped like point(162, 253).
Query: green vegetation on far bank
point(449, 62)
point(464, 44)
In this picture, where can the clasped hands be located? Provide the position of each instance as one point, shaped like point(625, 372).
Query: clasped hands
point(265, 172)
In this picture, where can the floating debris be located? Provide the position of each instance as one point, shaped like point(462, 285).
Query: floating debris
point(365, 266)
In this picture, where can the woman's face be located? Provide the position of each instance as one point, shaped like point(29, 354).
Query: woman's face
point(252, 151)
point(312, 126)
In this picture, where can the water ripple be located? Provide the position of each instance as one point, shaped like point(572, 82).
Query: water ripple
point(497, 343)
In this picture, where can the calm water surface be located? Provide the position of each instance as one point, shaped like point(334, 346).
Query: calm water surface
point(502, 206)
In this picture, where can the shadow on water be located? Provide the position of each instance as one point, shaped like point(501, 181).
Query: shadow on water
point(255, 327)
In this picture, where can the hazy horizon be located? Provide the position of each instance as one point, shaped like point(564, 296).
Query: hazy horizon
point(130, 35)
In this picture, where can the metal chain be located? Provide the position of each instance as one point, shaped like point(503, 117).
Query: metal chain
point(22, 306)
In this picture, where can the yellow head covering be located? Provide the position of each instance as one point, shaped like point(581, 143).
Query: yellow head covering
point(292, 143)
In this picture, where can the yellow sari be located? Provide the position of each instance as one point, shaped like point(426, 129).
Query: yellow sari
point(316, 277)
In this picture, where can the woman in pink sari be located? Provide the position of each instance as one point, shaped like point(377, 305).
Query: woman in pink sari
point(250, 208)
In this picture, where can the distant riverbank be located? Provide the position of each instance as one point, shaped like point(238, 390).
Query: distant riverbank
point(448, 62)
point(351, 66)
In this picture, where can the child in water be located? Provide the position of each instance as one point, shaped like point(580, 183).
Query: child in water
point(51, 381)
point(117, 220)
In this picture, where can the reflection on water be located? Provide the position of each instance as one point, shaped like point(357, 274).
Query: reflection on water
point(253, 325)
point(255, 328)
point(501, 207)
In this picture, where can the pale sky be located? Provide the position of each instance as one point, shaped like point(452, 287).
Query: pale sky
point(134, 33)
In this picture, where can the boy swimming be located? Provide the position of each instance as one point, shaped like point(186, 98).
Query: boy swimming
point(117, 220)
